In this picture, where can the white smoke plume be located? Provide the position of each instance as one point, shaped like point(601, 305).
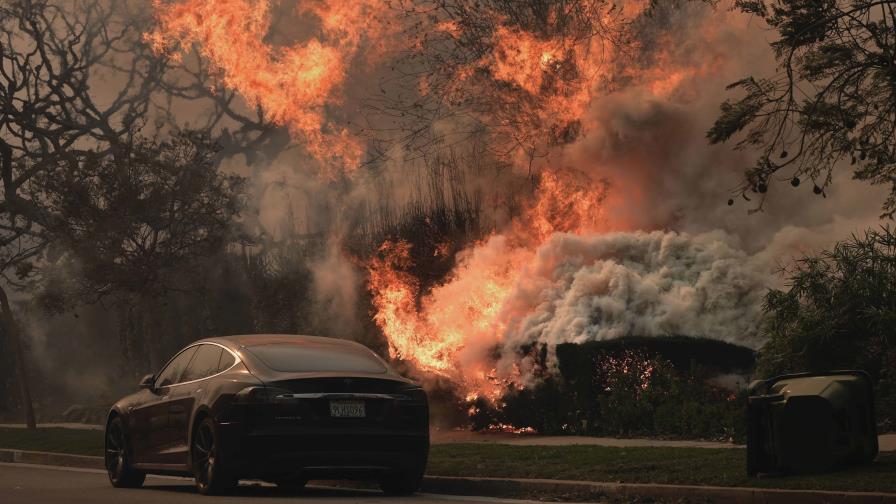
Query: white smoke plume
point(600, 287)
point(503, 299)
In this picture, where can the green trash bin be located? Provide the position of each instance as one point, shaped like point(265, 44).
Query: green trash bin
point(810, 422)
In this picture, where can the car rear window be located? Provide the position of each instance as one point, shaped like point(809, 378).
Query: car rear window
point(317, 357)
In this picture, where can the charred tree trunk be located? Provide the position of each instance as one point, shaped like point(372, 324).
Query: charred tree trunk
point(15, 342)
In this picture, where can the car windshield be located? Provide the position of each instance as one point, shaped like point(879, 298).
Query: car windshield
point(317, 357)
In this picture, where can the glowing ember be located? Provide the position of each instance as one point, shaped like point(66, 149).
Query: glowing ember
point(510, 429)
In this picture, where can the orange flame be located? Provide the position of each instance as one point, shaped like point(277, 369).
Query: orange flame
point(540, 84)
point(543, 86)
point(293, 85)
point(450, 330)
point(539, 88)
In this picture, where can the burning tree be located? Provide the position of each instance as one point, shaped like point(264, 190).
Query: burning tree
point(520, 73)
point(831, 102)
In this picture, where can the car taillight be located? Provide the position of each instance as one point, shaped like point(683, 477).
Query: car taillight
point(263, 395)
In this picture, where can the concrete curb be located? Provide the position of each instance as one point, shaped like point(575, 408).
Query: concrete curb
point(49, 458)
point(529, 488)
point(588, 490)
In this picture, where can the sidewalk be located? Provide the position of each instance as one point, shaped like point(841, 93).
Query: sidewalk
point(887, 441)
point(438, 436)
point(591, 491)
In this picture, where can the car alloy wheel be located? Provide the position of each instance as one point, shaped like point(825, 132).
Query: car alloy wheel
point(118, 465)
point(211, 477)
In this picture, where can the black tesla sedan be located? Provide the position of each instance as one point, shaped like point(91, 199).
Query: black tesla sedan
point(279, 408)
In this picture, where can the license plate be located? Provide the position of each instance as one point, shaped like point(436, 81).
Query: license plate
point(347, 409)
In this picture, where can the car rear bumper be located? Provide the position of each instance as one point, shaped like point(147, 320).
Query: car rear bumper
point(317, 452)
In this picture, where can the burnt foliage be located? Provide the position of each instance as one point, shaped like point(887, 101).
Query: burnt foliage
point(633, 387)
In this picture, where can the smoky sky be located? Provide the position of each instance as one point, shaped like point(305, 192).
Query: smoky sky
point(667, 185)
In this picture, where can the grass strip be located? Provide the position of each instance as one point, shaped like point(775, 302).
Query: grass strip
point(53, 439)
point(686, 466)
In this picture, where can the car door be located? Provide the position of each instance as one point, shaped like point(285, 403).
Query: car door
point(140, 418)
point(154, 413)
point(182, 400)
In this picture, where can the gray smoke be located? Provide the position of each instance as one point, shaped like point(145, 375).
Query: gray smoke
point(600, 287)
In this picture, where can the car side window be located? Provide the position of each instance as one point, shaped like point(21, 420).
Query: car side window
point(204, 363)
point(225, 362)
point(172, 372)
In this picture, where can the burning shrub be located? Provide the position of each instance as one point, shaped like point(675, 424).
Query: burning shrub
point(628, 384)
point(645, 394)
point(544, 408)
point(628, 388)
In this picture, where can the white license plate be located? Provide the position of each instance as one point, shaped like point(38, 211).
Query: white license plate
point(347, 409)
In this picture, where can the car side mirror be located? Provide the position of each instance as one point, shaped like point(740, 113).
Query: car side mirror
point(147, 381)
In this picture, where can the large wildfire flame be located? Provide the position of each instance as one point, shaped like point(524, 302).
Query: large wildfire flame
point(533, 90)
point(530, 89)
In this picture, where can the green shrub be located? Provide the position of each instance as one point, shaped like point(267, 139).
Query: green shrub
point(838, 313)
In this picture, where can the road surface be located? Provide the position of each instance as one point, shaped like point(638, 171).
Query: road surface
point(31, 484)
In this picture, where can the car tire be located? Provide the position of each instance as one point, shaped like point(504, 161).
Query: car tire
point(403, 482)
point(210, 468)
point(118, 457)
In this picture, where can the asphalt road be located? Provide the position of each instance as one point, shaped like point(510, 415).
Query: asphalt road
point(31, 484)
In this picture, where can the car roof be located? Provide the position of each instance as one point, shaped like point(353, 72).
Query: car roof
point(250, 340)
point(236, 343)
